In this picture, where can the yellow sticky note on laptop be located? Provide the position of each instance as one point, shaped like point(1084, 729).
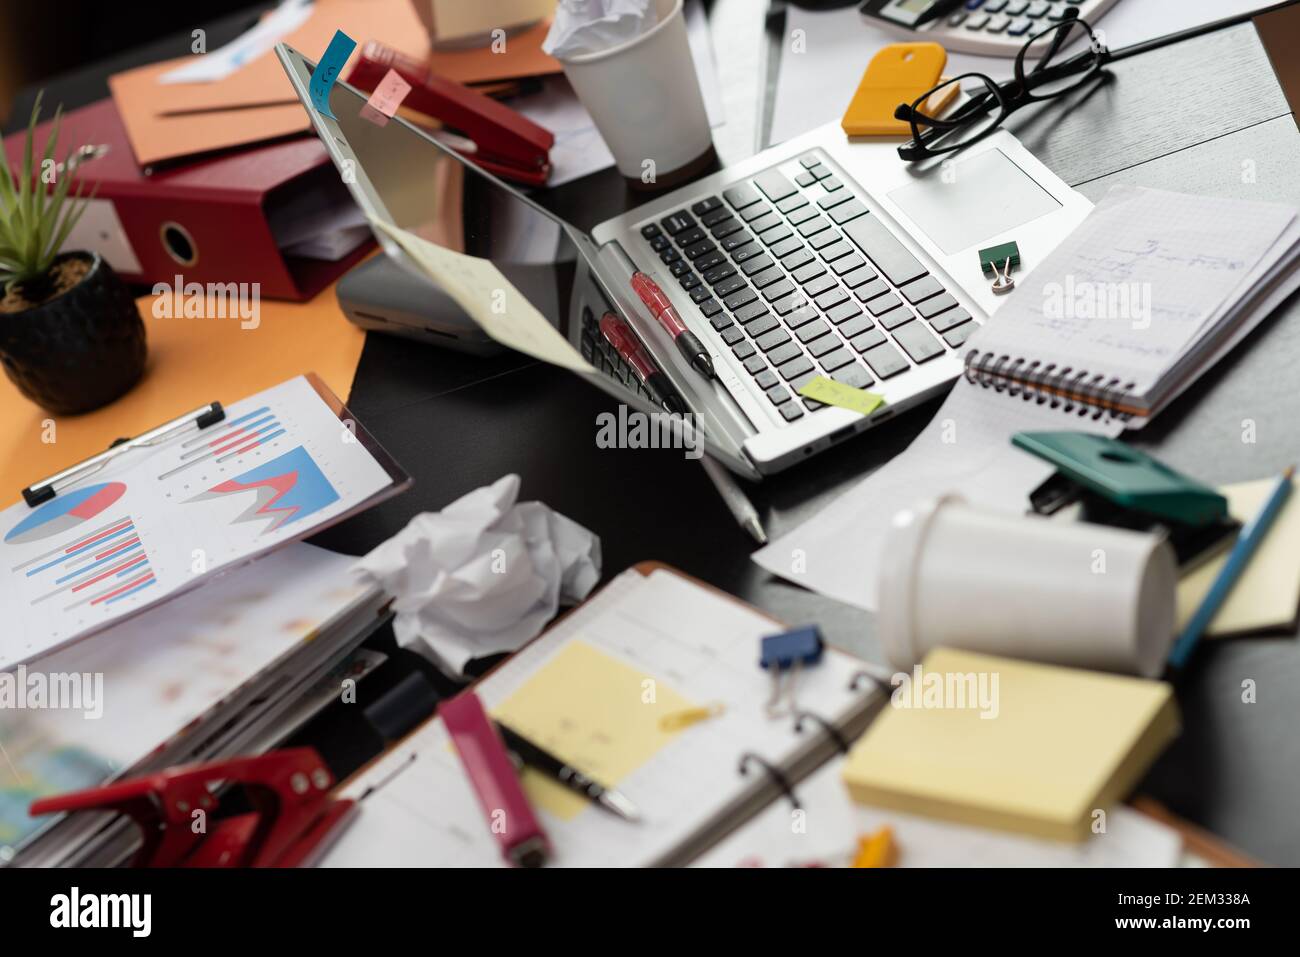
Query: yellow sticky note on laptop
point(1013, 745)
point(835, 393)
point(1267, 595)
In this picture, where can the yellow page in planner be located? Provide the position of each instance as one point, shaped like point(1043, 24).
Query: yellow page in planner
point(1039, 752)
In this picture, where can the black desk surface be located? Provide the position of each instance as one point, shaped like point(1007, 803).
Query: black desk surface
point(1206, 116)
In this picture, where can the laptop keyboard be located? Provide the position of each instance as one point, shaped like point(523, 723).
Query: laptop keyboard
point(798, 280)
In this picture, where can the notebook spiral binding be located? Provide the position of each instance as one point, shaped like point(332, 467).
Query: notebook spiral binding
point(1063, 387)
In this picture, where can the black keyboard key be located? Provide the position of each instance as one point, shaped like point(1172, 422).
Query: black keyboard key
point(883, 248)
point(715, 217)
point(732, 334)
point(730, 285)
point(949, 320)
point(789, 304)
point(882, 304)
point(750, 312)
point(795, 367)
point(680, 267)
point(778, 290)
point(676, 222)
point(856, 278)
point(895, 317)
point(710, 307)
point(764, 222)
point(871, 289)
point(831, 200)
point(847, 264)
point(740, 196)
point(800, 317)
point(868, 340)
point(802, 215)
point(792, 253)
point(706, 205)
point(845, 310)
point(650, 231)
point(836, 250)
point(777, 234)
point(700, 294)
point(670, 255)
point(824, 239)
point(814, 226)
point(710, 261)
point(743, 349)
point(813, 330)
point(720, 321)
point(725, 228)
point(805, 179)
point(824, 345)
point(740, 298)
point(766, 379)
point(790, 410)
point(784, 353)
point(837, 359)
point(845, 212)
point(852, 327)
point(936, 304)
point(791, 203)
point(922, 288)
point(819, 171)
point(757, 211)
point(756, 265)
point(831, 297)
point(854, 376)
point(720, 273)
point(808, 272)
point(660, 243)
point(809, 160)
point(689, 281)
point(761, 326)
point(831, 183)
point(819, 285)
point(803, 378)
point(772, 338)
point(778, 394)
point(736, 240)
point(918, 341)
point(762, 280)
point(885, 361)
point(958, 336)
point(774, 185)
point(689, 237)
point(699, 249)
point(755, 364)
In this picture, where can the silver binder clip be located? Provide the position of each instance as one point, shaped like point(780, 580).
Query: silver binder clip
point(1002, 281)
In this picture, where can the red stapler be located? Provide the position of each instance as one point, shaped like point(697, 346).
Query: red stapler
point(506, 143)
point(289, 791)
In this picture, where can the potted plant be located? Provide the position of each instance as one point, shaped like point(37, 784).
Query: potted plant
point(71, 337)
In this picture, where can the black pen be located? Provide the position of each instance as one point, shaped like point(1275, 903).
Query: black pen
point(542, 760)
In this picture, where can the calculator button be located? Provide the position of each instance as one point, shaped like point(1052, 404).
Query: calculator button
point(978, 22)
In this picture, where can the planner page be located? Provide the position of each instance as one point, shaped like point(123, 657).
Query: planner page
point(594, 691)
point(160, 519)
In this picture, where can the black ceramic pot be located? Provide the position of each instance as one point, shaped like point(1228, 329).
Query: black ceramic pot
point(80, 350)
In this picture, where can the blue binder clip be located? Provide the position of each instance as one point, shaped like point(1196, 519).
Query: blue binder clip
point(785, 655)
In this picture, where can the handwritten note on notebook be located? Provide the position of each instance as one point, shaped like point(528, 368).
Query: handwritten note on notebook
point(1135, 285)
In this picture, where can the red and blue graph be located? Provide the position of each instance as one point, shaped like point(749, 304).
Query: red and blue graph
point(284, 490)
point(231, 440)
point(102, 566)
point(65, 513)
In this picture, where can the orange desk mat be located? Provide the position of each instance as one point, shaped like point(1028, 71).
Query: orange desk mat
point(191, 361)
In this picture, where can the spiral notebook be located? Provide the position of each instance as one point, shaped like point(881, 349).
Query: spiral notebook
point(651, 643)
point(1146, 295)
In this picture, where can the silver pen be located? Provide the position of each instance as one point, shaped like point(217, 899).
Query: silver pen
point(741, 507)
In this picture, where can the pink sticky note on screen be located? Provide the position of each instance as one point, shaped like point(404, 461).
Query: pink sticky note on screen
point(388, 96)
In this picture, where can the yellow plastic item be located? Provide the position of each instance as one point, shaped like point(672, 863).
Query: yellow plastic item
point(877, 850)
point(898, 73)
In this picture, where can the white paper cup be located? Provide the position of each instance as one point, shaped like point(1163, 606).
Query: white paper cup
point(1065, 593)
point(644, 97)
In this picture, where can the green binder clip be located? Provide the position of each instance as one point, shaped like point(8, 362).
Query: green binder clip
point(1108, 482)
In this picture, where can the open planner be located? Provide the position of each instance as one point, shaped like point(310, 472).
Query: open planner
point(595, 687)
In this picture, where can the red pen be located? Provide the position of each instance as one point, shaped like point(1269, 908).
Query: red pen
point(620, 335)
point(660, 307)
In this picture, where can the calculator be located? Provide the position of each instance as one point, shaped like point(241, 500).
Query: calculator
point(988, 27)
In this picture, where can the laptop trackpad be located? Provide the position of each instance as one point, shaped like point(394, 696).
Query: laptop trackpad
point(973, 199)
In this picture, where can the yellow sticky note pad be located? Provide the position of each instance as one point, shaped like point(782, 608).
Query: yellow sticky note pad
point(831, 392)
point(1267, 594)
point(898, 73)
point(1013, 745)
point(593, 711)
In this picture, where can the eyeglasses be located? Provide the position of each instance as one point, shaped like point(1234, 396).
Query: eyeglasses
point(988, 104)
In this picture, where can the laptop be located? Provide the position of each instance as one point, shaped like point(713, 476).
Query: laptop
point(816, 257)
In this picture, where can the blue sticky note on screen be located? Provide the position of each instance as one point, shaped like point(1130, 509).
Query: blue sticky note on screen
point(328, 69)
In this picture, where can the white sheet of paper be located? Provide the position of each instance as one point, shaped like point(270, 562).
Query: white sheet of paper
point(156, 520)
point(221, 63)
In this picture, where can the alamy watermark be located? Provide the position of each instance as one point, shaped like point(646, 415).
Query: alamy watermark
point(1098, 300)
point(953, 690)
point(632, 429)
point(23, 690)
point(214, 300)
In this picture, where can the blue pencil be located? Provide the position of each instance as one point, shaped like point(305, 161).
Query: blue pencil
point(1247, 541)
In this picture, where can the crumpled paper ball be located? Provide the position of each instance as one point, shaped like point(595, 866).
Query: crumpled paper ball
point(482, 576)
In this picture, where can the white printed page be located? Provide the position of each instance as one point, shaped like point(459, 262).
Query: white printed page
point(1135, 286)
point(156, 520)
